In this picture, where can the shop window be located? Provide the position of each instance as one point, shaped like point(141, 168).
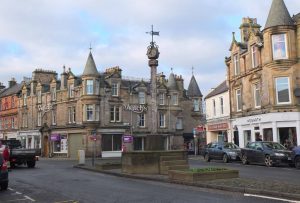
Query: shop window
point(59, 143)
point(279, 46)
point(287, 137)
point(268, 134)
point(283, 90)
point(112, 142)
point(247, 137)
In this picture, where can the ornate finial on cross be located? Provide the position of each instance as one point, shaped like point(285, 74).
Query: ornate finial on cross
point(153, 33)
point(192, 70)
point(90, 47)
point(171, 70)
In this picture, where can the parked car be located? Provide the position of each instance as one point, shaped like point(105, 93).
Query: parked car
point(19, 155)
point(268, 153)
point(222, 151)
point(3, 174)
point(296, 157)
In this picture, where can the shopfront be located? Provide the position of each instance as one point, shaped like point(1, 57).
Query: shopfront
point(278, 127)
point(111, 145)
point(59, 144)
point(218, 132)
point(30, 139)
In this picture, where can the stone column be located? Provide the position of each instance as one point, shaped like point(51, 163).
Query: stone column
point(153, 63)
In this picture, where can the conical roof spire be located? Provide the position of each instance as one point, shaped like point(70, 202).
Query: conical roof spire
point(193, 89)
point(278, 15)
point(90, 67)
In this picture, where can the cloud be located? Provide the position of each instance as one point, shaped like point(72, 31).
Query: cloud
point(50, 34)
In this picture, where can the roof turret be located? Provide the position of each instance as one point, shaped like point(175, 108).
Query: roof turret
point(90, 67)
point(193, 89)
point(278, 15)
point(172, 85)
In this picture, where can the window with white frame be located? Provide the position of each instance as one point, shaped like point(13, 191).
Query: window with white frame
point(72, 114)
point(254, 56)
point(214, 107)
point(114, 89)
point(236, 65)
point(13, 122)
point(115, 114)
point(142, 98)
point(238, 100)
point(89, 87)
point(161, 99)
point(39, 118)
point(196, 104)
point(53, 115)
point(257, 100)
point(179, 124)
point(89, 109)
point(141, 119)
point(174, 99)
point(162, 120)
point(279, 46)
point(71, 90)
point(222, 105)
point(53, 93)
point(283, 90)
point(39, 96)
point(97, 91)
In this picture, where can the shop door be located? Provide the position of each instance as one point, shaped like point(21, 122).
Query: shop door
point(75, 144)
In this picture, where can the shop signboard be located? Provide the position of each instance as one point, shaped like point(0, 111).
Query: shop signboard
point(55, 137)
point(127, 138)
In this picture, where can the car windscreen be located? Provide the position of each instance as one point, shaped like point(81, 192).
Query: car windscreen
point(230, 146)
point(273, 145)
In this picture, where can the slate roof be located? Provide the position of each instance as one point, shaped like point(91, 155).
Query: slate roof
point(90, 67)
point(11, 90)
point(193, 89)
point(218, 90)
point(172, 85)
point(278, 15)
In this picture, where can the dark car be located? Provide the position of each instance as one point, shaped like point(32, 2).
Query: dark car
point(268, 153)
point(222, 151)
point(296, 157)
point(3, 174)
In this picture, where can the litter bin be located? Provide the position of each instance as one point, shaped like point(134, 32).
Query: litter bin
point(81, 157)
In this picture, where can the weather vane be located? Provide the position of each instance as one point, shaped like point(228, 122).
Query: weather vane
point(152, 33)
point(90, 47)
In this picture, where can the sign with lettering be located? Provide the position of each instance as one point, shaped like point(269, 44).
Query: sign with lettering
point(218, 126)
point(45, 108)
point(127, 138)
point(137, 108)
point(254, 120)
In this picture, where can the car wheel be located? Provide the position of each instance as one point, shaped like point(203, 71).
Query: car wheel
point(268, 161)
point(225, 158)
point(244, 159)
point(297, 162)
point(206, 158)
point(30, 164)
point(4, 185)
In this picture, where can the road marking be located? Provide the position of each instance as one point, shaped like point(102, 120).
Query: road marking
point(272, 198)
point(66, 201)
point(18, 193)
point(29, 198)
point(17, 200)
point(10, 189)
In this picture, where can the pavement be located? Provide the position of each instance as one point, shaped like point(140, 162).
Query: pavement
point(272, 188)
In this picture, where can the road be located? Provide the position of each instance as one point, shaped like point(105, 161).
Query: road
point(57, 181)
point(261, 172)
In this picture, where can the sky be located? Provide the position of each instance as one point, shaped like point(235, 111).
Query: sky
point(193, 33)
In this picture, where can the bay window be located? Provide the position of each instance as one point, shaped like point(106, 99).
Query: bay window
point(279, 46)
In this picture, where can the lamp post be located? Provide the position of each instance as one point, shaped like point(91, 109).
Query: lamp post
point(195, 140)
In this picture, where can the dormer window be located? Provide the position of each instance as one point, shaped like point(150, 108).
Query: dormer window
point(114, 89)
point(279, 46)
point(71, 91)
point(53, 93)
point(90, 87)
point(161, 99)
point(236, 65)
point(39, 96)
point(142, 98)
